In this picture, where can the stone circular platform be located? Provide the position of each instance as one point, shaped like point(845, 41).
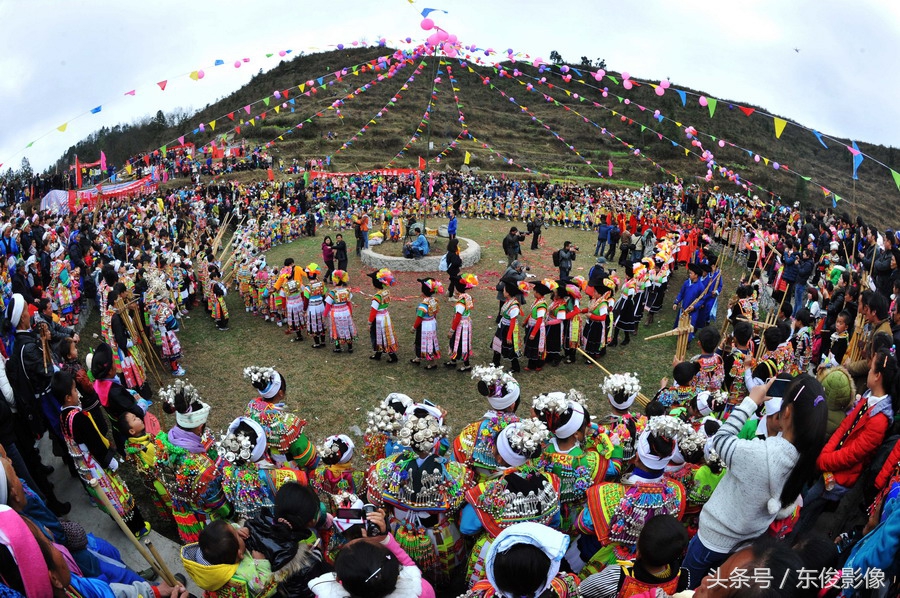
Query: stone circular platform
point(430, 263)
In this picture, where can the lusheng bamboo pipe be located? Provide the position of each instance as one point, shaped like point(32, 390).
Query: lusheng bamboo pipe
point(170, 579)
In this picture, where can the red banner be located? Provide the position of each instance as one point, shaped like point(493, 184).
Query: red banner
point(381, 172)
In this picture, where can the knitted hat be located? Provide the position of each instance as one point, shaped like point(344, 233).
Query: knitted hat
point(76, 537)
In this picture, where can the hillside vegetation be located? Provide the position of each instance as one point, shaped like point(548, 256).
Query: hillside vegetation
point(508, 128)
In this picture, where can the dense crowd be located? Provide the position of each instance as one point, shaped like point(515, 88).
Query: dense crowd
point(767, 466)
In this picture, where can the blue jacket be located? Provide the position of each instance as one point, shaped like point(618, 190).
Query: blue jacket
point(603, 233)
point(790, 268)
point(421, 243)
point(451, 226)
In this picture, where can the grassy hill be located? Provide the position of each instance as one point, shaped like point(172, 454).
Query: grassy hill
point(496, 120)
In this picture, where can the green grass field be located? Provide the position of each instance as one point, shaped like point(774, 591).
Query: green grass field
point(334, 391)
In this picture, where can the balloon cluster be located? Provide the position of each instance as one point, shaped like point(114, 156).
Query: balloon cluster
point(440, 39)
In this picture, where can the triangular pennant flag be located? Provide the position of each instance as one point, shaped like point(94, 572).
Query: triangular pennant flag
point(747, 111)
point(277, 109)
point(857, 159)
point(231, 116)
point(162, 84)
point(129, 93)
point(819, 137)
point(195, 75)
point(302, 87)
point(613, 79)
point(780, 124)
point(62, 128)
point(266, 101)
point(181, 140)
point(686, 151)
point(237, 130)
point(247, 109)
point(683, 97)
point(219, 62)
point(711, 104)
point(212, 125)
point(896, 176)
point(163, 149)
point(766, 160)
point(96, 110)
point(29, 145)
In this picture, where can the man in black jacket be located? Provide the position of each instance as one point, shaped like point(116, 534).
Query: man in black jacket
point(512, 245)
point(29, 375)
point(340, 253)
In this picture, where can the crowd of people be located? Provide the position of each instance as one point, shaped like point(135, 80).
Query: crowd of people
point(767, 466)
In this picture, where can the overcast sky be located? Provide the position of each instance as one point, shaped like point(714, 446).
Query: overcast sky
point(61, 58)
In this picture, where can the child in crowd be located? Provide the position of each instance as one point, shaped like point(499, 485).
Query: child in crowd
point(683, 389)
point(221, 564)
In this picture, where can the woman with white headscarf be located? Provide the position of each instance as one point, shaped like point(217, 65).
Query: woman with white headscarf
point(250, 476)
point(284, 430)
point(578, 469)
point(524, 562)
point(617, 511)
point(184, 465)
point(475, 444)
point(335, 475)
point(521, 492)
point(424, 492)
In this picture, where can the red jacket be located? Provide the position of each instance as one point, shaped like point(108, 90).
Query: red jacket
point(848, 461)
point(887, 470)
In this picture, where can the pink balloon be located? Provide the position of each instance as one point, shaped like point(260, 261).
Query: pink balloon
point(564, 68)
point(433, 39)
point(427, 24)
point(637, 152)
point(626, 76)
point(282, 53)
point(442, 35)
point(237, 64)
point(277, 94)
point(575, 95)
point(721, 143)
point(452, 39)
point(656, 114)
point(627, 84)
point(200, 74)
point(605, 94)
point(659, 90)
point(627, 101)
point(447, 47)
point(756, 158)
point(703, 101)
point(664, 84)
point(451, 53)
point(246, 60)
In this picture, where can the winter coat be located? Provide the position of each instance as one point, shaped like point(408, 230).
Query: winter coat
point(791, 269)
point(862, 439)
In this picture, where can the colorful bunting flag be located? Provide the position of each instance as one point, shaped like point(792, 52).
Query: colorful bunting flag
point(62, 128)
point(469, 156)
point(896, 176)
point(747, 111)
point(711, 104)
point(857, 159)
point(780, 123)
point(683, 97)
point(162, 84)
point(819, 137)
point(96, 110)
